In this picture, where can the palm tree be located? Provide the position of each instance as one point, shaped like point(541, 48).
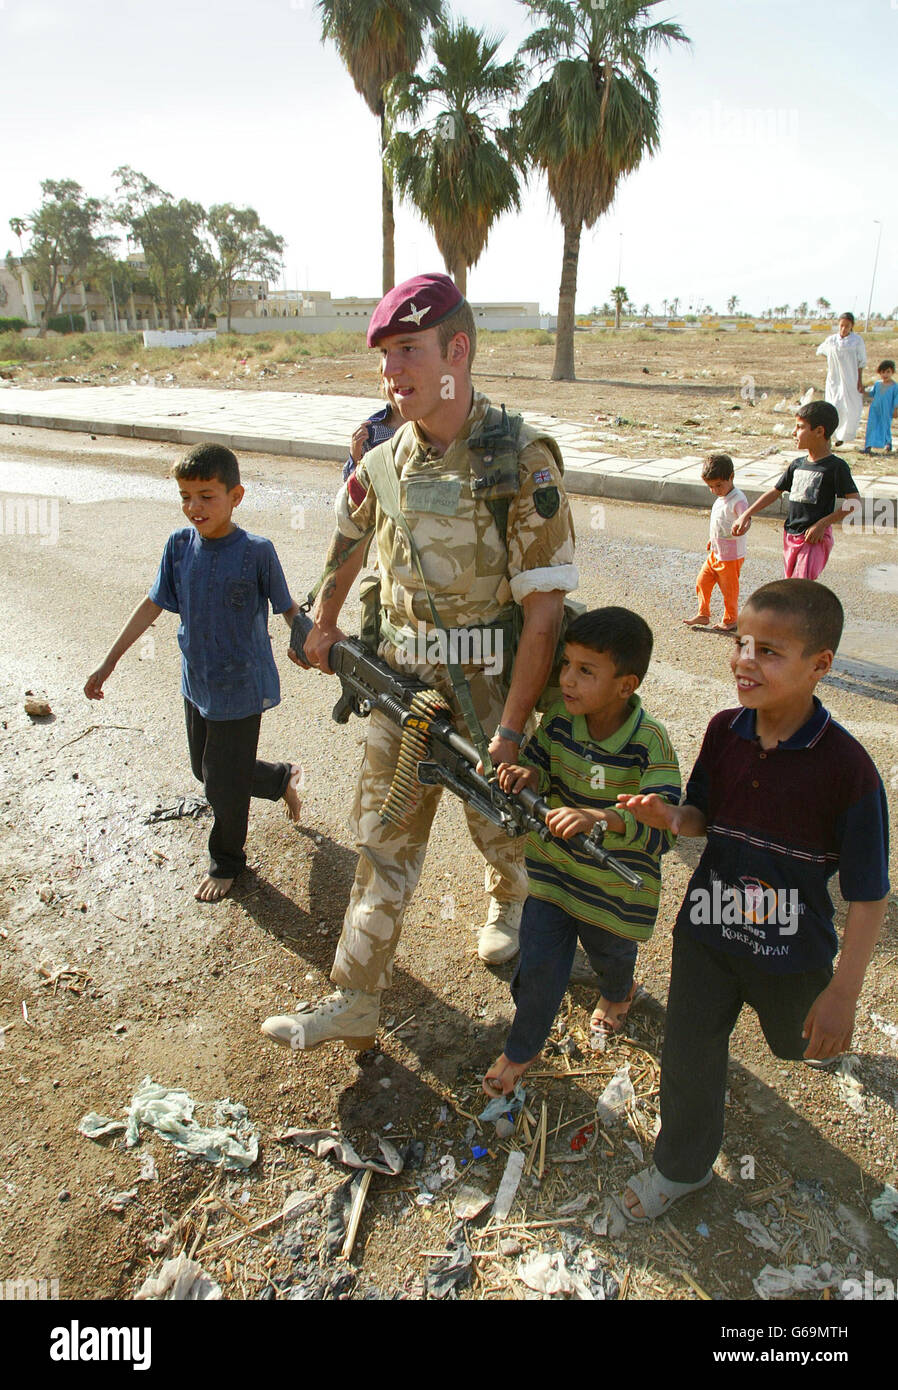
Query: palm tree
point(619, 298)
point(452, 170)
point(732, 303)
point(377, 40)
point(591, 119)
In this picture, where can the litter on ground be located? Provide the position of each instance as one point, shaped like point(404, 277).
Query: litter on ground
point(180, 1279)
point(323, 1142)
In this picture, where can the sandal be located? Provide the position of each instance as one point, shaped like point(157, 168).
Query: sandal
point(502, 1082)
point(656, 1193)
point(610, 1024)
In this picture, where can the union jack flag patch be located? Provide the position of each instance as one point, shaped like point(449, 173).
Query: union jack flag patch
point(543, 476)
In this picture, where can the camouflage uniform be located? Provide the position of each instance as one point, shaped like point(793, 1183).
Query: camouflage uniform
point(472, 578)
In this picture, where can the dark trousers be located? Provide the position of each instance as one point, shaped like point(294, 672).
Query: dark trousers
point(708, 988)
point(548, 942)
point(223, 758)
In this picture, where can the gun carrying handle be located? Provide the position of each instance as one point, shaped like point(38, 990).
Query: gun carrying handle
point(299, 630)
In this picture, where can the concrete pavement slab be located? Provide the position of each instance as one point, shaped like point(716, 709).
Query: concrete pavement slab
point(319, 426)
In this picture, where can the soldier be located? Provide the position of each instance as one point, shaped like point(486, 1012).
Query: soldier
point(474, 573)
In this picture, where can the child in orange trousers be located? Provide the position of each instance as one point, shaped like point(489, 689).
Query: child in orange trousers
point(726, 553)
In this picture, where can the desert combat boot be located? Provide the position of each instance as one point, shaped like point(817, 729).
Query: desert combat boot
point(349, 1016)
point(498, 940)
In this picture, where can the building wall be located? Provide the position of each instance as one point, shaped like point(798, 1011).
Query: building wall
point(342, 323)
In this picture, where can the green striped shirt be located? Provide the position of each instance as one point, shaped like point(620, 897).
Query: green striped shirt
point(576, 770)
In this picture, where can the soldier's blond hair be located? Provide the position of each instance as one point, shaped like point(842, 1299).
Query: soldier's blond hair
point(461, 320)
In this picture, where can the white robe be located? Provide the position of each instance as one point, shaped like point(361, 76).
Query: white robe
point(844, 359)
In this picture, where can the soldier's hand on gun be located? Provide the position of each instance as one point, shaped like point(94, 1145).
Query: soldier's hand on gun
point(500, 750)
point(317, 645)
point(565, 821)
point(512, 777)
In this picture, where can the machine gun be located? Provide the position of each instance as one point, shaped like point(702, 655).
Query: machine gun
point(433, 753)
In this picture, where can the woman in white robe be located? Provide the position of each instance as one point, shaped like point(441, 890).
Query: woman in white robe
point(846, 357)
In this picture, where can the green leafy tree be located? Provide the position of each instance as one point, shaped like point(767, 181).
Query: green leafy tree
point(377, 40)
point(823, 307)
point(199, 286)
point(454, 168)
point(619, 298)
point(591, 120)
point(168, 232)
point(66, 242)
point(118, 279)
point(243, 246)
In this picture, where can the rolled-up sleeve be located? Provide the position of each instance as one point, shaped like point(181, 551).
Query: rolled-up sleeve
point(355, 520)
point(540, 528)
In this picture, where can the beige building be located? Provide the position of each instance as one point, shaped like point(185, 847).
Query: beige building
point(96, 302)
point(255, 307)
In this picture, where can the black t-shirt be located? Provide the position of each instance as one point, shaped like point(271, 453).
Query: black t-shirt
point(813, 489)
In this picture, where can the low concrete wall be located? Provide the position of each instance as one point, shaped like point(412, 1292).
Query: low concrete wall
point(175, 337)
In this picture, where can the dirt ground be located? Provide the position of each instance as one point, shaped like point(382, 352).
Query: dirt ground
point(160, 986)
point(647, 393)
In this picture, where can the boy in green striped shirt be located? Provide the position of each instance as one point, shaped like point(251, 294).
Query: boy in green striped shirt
point(596, 744)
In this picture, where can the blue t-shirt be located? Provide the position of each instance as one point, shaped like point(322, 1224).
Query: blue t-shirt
point(221, 590)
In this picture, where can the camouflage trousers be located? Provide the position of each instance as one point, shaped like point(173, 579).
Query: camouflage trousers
point(390, 859)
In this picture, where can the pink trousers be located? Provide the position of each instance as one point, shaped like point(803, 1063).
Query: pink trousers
point(804, 560)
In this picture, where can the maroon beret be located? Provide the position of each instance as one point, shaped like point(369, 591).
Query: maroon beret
point(416, 304)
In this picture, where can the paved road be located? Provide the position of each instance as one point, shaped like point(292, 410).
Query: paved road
point(177, 990)
point(96, 538)
point(317, 426)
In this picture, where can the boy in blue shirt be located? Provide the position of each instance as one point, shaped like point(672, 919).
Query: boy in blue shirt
point(220, 581)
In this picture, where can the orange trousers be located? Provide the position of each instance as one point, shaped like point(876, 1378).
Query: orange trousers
point(726, 574)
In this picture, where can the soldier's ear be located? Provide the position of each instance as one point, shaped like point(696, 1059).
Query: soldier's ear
point(459, 349)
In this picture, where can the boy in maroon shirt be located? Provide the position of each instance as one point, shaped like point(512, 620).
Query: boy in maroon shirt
point(785, 796)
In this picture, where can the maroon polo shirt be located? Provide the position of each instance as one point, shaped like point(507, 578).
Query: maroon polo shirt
point(781, 821)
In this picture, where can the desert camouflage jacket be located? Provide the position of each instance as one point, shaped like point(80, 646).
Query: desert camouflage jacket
point(471, 572)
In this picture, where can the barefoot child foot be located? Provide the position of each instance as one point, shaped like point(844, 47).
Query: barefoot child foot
point(504, 1075)
point(212, 889)
point(698, 620)
point(291, 797)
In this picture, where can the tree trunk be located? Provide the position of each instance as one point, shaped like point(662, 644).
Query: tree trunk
point(616, 314)
point(563, 370)
point(389, 225)
point(460, 276)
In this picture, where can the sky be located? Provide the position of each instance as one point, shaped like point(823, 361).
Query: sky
point(773, 182)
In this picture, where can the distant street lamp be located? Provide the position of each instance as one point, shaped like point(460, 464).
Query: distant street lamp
point(876, 223)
